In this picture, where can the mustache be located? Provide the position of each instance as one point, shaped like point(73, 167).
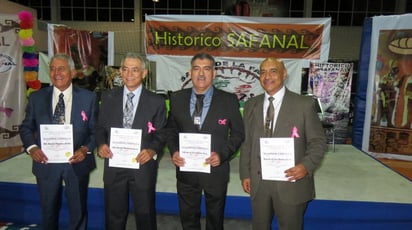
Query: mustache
point(201, 77)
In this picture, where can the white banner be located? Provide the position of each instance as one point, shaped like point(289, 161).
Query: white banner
point(12, 83)
point(235, 75)
point(239, 44)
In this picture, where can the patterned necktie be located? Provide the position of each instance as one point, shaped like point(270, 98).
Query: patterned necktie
point(197, 114)
point(58, 115)
point(270, 115)
point(128, 111)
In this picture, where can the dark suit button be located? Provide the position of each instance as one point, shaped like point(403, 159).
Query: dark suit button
point(258, 173)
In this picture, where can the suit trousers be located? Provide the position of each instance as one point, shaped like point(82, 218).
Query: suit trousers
point(190, 195)
point(116, 197)
point(75, 190)
point(266, 203)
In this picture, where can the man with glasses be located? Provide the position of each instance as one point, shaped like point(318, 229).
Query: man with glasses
point(131, 107)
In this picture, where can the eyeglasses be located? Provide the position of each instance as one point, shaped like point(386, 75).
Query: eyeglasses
point(58, 69)
point(133, 70)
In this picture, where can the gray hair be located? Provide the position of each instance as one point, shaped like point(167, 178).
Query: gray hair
point(64, 56)
point(134, 56)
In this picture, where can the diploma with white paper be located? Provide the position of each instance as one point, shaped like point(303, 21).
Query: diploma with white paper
point(195, 148)
point(276, 156)
point(125, 145)
point(57, 142)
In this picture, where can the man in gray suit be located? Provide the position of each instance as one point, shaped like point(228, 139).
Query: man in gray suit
point(294, 116)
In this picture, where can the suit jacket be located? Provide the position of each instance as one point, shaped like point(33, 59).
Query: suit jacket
point(223, 121)
point(295, 111)
point(39, 111)
point(151, 108)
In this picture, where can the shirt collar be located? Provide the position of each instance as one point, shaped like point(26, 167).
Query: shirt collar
point(278, 95)
point(67, 92)
point(136, 92)
point(208, 93)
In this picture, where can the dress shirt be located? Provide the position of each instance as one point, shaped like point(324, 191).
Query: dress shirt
point(206, 103)
point(68, 95)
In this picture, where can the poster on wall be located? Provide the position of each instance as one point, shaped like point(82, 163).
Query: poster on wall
point(91, 52)
point(12, 82)
point(391, 117)
point(331, 83)
point(388, 117)
point(238, 44)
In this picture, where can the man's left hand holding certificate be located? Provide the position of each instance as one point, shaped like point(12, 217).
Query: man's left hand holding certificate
point(125, 145)
point(57, 142)
point(195, 148)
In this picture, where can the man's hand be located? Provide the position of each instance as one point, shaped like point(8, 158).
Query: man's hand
point(37, 155)
point(79, 155)
point(213, 160)
point(177, 160)
point(296, 173)
point(104, 151)
point(145, 155)
point(246, 185)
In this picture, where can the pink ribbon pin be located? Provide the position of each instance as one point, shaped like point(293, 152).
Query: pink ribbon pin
point(84, 116)
point(222, 121)
point(150, 127)
point(295, 133)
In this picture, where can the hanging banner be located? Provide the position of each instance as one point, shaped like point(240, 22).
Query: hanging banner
point(331, 83)
point(12, 82)
point(239, 44)
point(91, 52)
point(388, 116)
point(238, 76)
point(229, 36)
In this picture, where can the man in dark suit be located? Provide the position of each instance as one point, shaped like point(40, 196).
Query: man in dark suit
point(148, 115)
point(294, 116)
point(80, 111)
point(221, 118)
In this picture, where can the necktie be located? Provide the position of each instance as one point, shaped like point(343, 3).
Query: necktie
point(128, 111)
point(197, 114)
point(270, 115)
point(58, 115)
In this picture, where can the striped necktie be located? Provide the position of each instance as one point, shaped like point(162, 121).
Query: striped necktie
point(128, 111)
